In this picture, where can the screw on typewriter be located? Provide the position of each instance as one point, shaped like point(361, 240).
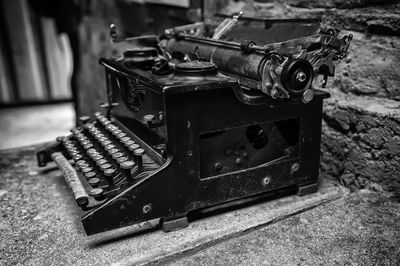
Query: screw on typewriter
point(203, 115)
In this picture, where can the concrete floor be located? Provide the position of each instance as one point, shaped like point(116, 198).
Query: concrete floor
point(23, 126)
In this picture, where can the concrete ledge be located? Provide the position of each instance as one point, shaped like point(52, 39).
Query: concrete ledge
point(40, 222)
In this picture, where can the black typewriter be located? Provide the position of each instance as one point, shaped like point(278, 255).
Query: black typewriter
point(205, 114)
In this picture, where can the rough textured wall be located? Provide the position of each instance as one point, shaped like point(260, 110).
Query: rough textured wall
point(361, 127)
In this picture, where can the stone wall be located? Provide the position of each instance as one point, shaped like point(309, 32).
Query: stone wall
point(361, 127)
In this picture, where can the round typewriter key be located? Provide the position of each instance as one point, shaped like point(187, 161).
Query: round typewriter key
point(77, 157)
point(84, 119)
point(103, 138)
point(93, 154)
point(74, 131)
point(109, 174)
point(128, 143)
point(90, 151)
point(73, 151)
point(127, 167)
point(109, 147)
point(117, 155)
point(97, 157)
point(121, 135)
point(81, 166)
point(112, 151)
point(68, 145)
point(138, 152)
point(106, 122)
point(127, 164)
point(86, 170)
point(149, 118)
point(122, 159)
point(134, 147)
point(125, 139)
point(97, 193)
point(80, 162)
point(101, 162)
point(88, 146)
point(105, 166)
point(94, 181)
point(89, 175)
point(106, 142)
point(61, 139)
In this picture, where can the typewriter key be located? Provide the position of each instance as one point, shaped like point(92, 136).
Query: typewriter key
point(105, 166)
point(94, 181)
point(117, 155)
point(138, 153)
point(149, 118)
point(109, 147)
point(90, 175)
point(112, 151)
point(109, 175)
point(88, 146)
point(84, 119)
point(86, 170)
point(121, 135)
point(97, 193)
point(80, 162)
point(125, 139)
point(122, 159)
point(61, 139)
point(91, 151)
point(101, 162)
point(97, 157)
point(128, 143)
point(127, 167)
point(105, 143)
point(77, 157)
point(134, 147)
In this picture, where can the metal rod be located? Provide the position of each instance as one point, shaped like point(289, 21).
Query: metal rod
point(71, 177)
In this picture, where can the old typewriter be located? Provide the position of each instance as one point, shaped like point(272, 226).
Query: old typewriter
point(204, 114)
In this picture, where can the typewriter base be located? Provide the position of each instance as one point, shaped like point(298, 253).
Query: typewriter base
point(177, 223)
point(174, 224)
point(308, 189)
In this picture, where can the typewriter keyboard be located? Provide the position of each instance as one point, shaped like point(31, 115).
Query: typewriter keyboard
point(106, 158)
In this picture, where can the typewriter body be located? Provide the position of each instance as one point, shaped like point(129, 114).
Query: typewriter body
point(200, 116)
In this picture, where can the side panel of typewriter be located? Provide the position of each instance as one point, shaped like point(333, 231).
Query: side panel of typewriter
point(220, 149)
